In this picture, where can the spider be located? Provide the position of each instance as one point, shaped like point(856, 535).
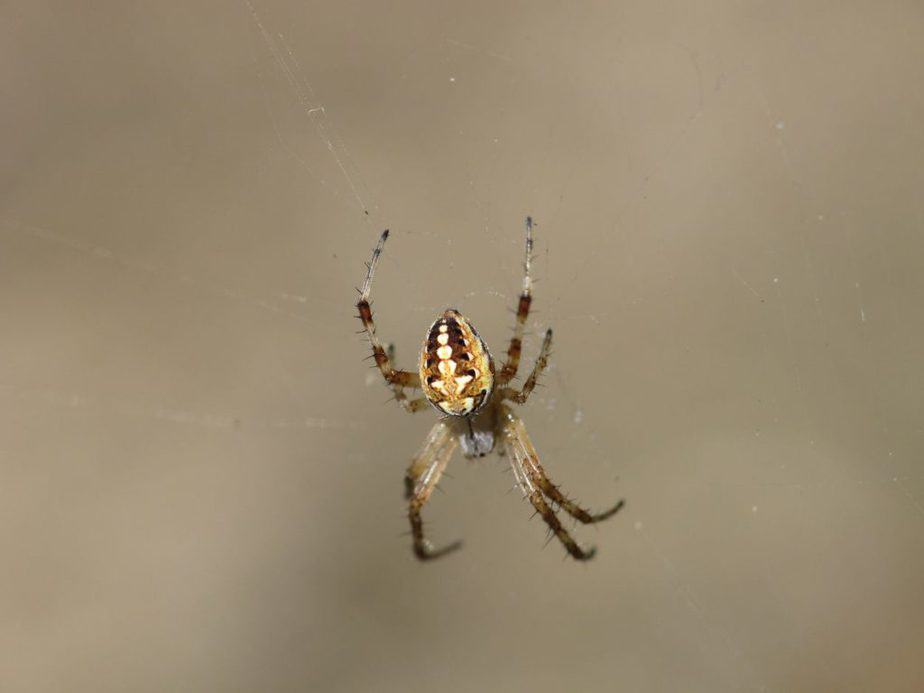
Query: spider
point(458, 379)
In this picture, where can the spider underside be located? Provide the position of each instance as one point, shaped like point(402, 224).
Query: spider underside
point(457, 376)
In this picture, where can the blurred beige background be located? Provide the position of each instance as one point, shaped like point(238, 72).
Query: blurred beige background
point(201, 479)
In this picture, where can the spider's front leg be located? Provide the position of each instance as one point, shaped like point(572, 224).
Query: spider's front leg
point(396, 379)
point(422, 476)
point(537, 486)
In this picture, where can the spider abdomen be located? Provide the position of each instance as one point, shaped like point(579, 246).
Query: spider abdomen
point(456, 370)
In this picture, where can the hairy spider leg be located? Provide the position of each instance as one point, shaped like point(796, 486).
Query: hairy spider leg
point(520, 396)
point(422, 476)
point(535, 484)
point(509, 370)
point(396, 379)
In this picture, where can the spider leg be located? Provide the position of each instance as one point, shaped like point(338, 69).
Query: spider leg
point(422, 476)
point(553, 493)
point(540, 478)
point(536, 484)
point(440, 438)
point(396, 379)
point(509, 370)
point(412, 406)
point(541, 362)
point(551, 519)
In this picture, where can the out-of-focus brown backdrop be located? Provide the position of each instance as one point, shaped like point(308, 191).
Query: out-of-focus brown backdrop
point(201, 479)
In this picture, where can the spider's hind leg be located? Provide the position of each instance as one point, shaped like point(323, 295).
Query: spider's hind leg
point(509, 370)
point(520, 396)
point(396, 379)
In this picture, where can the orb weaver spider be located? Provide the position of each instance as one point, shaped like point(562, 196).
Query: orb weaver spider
point(457, 376)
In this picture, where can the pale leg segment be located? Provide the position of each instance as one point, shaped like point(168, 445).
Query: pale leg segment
point(509, 370)
point(422, 476)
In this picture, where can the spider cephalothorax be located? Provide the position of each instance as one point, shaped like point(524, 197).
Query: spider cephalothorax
point(457, 377)
point(456, 369)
